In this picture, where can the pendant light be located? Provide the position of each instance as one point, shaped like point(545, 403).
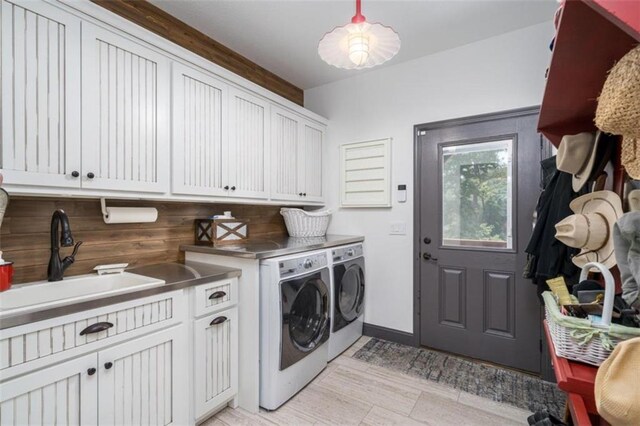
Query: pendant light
point(359, 44)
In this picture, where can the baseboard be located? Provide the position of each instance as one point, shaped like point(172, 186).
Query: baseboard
point(389, 334)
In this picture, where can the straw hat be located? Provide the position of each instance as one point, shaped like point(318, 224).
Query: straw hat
point(634, 200)
point(577, 155)
point(616, 389)
point(630, 155)
point(591, 227)
point(618, 110)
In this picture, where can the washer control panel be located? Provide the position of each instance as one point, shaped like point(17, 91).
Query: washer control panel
point(300, 265)
point(345, 253)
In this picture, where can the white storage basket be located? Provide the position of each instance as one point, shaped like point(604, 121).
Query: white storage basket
point(579, 339)
point(306, 224)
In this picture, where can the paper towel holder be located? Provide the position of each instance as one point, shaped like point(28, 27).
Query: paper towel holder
point(128, 214)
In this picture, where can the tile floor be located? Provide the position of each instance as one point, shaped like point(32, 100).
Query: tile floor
point(352, 392)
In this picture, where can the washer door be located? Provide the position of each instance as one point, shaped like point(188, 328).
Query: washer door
point(305, 316)
point(349, 293)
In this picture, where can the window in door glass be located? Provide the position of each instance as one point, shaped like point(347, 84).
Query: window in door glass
point(477, 189)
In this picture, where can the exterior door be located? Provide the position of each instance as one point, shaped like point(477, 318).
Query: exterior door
point(248, 145)
point(200, 147)
point(40, 95)
point(64, 394)
point(141, 381)
point(125, 119)
point(478, 186)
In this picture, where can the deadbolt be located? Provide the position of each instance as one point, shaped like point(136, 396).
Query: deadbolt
point(427, 240)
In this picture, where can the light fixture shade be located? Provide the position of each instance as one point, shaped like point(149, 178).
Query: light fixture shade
point(359, 45)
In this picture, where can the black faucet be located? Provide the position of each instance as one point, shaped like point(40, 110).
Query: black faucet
point(57, 266)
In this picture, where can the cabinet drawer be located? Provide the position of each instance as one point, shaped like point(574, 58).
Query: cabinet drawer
point(215, 296)
point(30, 346)
point(216, 360)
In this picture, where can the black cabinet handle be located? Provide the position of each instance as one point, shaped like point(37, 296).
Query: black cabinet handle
point(226, 188)
point(218, 320)
point(217, 295)
point(233, 188)
point(108, 365)
point(304, 194)
point(90, 175)
point(75, 173)
point(96, 328)
point(91, 371)
point(300, 194)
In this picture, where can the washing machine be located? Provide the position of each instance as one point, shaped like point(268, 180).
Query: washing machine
point(347, 297)
point(294, 324)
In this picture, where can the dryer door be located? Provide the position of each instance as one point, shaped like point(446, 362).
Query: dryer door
point(305, 316)
point(349, 292)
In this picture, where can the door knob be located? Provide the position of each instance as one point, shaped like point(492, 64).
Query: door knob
point(90, 175)
point(233, 188)
point(427, 256)
point(427, 240)
point(75, 173)
point(108, 365)
point(91, 371)
point(226, 188)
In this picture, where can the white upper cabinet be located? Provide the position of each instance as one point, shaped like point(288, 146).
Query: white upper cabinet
point(311, 154)
point(200, 148)
point(285, 156)
point(40, 95)
point(125, 104)
point(297, 153)
point(248, 145)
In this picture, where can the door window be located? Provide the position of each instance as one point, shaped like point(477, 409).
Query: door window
point(307, 319)
point(477, 195)
point(349, 295)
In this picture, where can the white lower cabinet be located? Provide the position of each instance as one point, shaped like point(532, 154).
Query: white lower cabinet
point(215, 360)
point(145, 367)
point(141, 382)
point(66, 393)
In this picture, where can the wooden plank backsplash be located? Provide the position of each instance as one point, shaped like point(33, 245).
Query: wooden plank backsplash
point(25, 238)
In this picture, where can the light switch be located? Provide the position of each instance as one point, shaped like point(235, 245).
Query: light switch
point(398, 228)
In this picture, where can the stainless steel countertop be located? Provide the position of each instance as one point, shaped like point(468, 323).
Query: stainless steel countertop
point(176, 276)
point(273, 247)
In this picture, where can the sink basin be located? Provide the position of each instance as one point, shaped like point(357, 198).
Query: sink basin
point(44, 294)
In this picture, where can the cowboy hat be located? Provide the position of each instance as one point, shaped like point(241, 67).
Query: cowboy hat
point(577, 155)
point(634, 200)
point(616, 388)
point(590, 228)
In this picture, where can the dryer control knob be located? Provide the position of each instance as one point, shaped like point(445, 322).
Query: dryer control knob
point(308, 264)
point(351, 252)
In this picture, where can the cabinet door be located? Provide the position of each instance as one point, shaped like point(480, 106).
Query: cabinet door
point(248, 145)
point(285, 155)
point(199, 128)
point(311, 162)
point(63, 394)
point(125, 119)
point(40, 95)
point(216, 360)
point(141, 381)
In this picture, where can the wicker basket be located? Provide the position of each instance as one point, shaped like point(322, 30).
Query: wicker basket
point(306, 224)
point(579, 339)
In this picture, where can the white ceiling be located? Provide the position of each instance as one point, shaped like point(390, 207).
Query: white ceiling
point(282, 36)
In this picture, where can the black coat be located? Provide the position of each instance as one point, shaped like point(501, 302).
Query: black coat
point(549, 257)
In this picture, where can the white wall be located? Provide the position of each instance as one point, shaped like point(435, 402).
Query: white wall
point(496, 74)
